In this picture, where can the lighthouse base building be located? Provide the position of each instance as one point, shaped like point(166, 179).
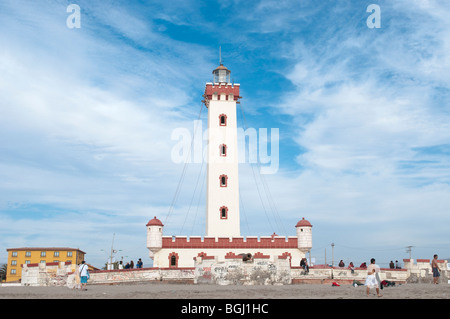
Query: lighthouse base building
point(181, 251)
point(222, 241)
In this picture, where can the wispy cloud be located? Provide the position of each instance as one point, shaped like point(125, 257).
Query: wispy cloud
point(86, 118)
point(368, 103)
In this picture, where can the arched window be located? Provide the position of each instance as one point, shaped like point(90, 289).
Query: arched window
point(173, 259)
point(223, 150)
point(223, 180)
point(223, 212)
point(222, 120)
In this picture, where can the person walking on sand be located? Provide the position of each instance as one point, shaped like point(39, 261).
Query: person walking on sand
point(83, 269)
point(371, 280)
point(436, 270)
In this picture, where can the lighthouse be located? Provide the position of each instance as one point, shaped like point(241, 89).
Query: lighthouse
point(222, 240)
point(222, 197)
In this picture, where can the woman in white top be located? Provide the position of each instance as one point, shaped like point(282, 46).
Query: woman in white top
point(371, 280)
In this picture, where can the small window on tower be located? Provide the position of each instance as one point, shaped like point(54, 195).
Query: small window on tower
point(223, 180)
point(222, 120)
point(223, 150)
point(173, 261)
point(223, 212)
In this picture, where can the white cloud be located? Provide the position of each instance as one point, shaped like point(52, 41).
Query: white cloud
point(363, 108)
point(86, 126)
point(87, 115)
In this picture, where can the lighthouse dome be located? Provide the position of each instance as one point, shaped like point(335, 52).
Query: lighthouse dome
point(155, 222)
point(303, 222)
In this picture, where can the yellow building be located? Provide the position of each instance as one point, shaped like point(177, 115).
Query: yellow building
point(33, 255)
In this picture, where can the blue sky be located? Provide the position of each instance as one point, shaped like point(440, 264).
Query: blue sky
point(87, 114)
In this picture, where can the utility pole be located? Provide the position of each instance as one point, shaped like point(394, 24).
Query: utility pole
point(112, 251)
point(408, 250)
point(332, 254)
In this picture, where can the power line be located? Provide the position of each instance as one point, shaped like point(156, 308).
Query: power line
point(183, 173)
point(270, 200)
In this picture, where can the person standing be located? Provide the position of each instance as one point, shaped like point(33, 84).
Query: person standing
point(371, 280)
point(77, 279)
point(83, 269)
point(436, 270)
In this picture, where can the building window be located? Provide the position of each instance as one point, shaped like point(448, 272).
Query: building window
point(223, 179)
point(13, 271)
point(173, 259)
point(27, 262)
point(56, 254)
point(14, 254)
point(69, 254)
point(42, 261)
point(43, 253)
point(223, 212)
point(13, 262)
point(222, 120)
point(28, 254)
point(223, 150)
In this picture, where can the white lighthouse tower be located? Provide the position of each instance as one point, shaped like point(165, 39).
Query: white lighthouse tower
point(304, 235)
point(222, 241)
point(222, 198)
point(154, 236)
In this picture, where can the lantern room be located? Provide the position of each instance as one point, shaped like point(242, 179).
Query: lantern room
point(221, 75)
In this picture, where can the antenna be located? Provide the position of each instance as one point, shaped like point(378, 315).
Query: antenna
point(220, 55)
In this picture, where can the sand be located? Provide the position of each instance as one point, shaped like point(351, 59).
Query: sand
point(184, 291)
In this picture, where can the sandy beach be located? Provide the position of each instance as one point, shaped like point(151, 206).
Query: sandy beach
point(182, 291)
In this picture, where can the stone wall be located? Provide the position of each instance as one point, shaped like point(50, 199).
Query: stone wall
point(233, 271)
point(420, 271)
point(181, 275)
point(344, 275)
point(50, 274)
point(239, 272)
